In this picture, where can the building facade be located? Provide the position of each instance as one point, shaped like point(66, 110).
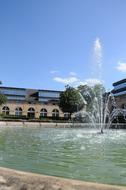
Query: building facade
point(119, 93)
point(31, 103)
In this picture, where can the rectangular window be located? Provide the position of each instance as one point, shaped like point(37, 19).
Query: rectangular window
point(49, 94)
point(15, 98)
point(123, 85)
point(13, 91)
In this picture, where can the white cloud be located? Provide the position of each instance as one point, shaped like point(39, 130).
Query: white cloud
point(89, 82)
point(74, 81)
point(121, 67)
point(69, 80)
point(72, 73)
point(92, 81)
point(54, 71)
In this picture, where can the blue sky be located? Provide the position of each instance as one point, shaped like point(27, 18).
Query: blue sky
point(45, 44)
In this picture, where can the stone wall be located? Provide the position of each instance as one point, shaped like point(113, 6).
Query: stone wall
point(16, 180)
point(25, 106)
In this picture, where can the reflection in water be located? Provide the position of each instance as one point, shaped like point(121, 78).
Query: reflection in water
point(73, 153)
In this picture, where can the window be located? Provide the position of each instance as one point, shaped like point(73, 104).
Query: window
point(44, 100)
point(5, 110)
point(43, 113)
point(119, 86)
point(18, 111)
point(31, 113)
point(55, 113)
point(66, 115)
point(120, 93)
point(15, 98)
point(13, 91)
point(49, 94)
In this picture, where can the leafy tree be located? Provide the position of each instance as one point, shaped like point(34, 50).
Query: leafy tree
point(98, 90)
point(3, 98)
point(90, 93)
point(71, 100)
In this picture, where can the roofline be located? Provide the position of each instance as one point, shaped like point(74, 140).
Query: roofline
point(17, 88)
point(119, 82)
point(6, 87)
point(49, 90)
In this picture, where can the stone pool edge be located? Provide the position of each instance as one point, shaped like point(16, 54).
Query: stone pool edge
point(46, 124)
point(11, 179)
point(40, 124)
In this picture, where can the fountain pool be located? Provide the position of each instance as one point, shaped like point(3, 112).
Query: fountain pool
point(66, 152)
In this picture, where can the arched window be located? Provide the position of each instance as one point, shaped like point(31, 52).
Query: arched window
point(55, 113)
point(66, 115)
point(5, 110)
point(18, 111)
point(43, 112)
point(31, 113)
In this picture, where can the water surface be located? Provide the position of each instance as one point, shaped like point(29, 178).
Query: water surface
point(72, 153)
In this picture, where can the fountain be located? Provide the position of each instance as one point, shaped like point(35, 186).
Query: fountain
point(95, 114)
point(100, 113)
point(72, 152)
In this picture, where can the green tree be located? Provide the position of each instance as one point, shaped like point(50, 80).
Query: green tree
point(98, 90)
point(3, 98)
point(90, 93)
point(71, 100)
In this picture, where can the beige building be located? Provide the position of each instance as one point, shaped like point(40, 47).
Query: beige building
point(30, 103)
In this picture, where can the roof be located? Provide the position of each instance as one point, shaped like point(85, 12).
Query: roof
point(16, 88)
point(119, 82)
